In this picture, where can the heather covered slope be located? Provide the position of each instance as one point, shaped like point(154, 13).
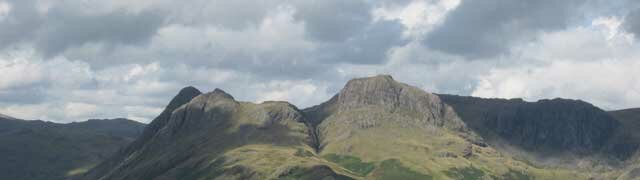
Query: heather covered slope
point(50, 151)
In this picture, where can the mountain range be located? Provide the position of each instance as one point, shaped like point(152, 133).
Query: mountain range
point(376, 128)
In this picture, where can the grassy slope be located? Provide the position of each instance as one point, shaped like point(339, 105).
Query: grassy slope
point(435, 152)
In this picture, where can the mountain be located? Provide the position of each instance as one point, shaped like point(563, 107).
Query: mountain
point(45, 150)
point(546, 128)
point(213, 135)
point(376, 128)
point(629, 140)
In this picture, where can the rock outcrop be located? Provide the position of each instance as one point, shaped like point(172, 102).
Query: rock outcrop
point(383, 94)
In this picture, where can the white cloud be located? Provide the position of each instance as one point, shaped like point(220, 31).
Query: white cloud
point(30, 112)
point(5, 9)
point(596, 63)
point(19, 72)
point(142, 113)
point(78, 109)
point(419, 16)
point(300, 93)
point(609, 84)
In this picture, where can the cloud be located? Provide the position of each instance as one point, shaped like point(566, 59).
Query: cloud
point(333, 20)
point(610, 84)
point(596, 63)
point(52, 28)
point(304, 92)
point(632, 23)
point(74, 109)
point(64, 30)
point(486, 28)
point(5, 8)
point(368, 47)
point(74, 60)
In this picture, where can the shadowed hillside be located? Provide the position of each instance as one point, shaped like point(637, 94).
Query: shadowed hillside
point(44, 150)
point(547, 127)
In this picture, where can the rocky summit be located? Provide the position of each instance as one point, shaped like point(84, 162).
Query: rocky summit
point(378, 128)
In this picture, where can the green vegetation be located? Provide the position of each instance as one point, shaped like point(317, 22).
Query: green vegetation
point(467, 173)
point(294, 174)
point(211, 171)
point(303, 153)
point(392, 169)
point(316, 172)
point(516, 175)
point(352, 163)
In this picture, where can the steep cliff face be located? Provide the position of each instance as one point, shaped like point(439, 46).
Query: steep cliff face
point(210, 135)
point(550, 127)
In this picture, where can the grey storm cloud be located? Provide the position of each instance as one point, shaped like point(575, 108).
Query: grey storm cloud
point(345, 31)
point(20, 24)
point(61, 28)
point(115, 28)
point(236, 15)
point(334, 20)
point(368, 47)
point(632, 23)
point(24, 95)
point(485, 28)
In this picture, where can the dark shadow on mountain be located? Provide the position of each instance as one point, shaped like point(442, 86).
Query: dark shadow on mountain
point(549, 128)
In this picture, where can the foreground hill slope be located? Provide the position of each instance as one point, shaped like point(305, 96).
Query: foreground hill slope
point(50, 151)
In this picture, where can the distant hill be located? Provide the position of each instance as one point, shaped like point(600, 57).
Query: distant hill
point(33, 150)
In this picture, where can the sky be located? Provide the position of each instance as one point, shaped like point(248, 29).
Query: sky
point(73, 60)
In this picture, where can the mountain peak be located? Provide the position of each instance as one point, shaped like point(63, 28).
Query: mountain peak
point(188, 89)
point(375, 90)
point(183, 96)
point(384, 93)
point(381, 78)
point(220, 93)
